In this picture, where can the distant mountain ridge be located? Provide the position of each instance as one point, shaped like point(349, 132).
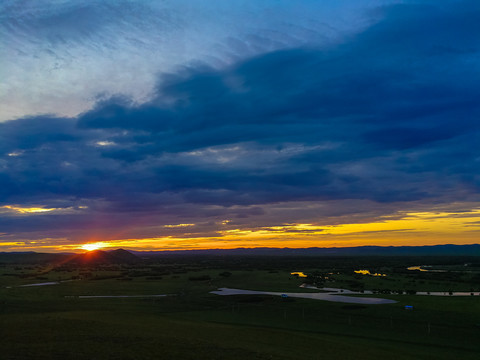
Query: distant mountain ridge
point(95, 257)
point(427, 250)
point(120, 256)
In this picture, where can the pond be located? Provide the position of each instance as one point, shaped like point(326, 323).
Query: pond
point(329, 296)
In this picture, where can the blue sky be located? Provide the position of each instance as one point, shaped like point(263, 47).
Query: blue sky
point(184, 121)
point(61, 56)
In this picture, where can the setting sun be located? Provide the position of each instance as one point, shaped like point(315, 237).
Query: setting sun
point(93, 246)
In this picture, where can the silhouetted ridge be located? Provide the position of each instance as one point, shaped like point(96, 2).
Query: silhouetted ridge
point(93, 257)
point(437, 250)
point(121, 255)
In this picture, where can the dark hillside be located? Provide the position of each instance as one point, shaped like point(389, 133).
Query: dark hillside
point(96, 257)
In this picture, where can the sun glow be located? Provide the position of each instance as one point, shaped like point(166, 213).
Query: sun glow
point(93, 246)
point(400, 229)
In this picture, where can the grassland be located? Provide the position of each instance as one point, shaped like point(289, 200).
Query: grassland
point(51, 322)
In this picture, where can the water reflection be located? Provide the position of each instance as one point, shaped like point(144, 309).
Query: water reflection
point(367, 272)
point(298, 273)
point(422, 268)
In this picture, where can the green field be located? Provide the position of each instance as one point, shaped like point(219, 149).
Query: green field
point(51, 322)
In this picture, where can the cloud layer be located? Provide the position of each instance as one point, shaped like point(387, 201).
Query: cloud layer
point(382, 121)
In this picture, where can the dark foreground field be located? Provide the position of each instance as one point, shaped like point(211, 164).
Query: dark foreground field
point(52, 322)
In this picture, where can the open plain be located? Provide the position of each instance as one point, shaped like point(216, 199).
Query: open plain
point(120, 311)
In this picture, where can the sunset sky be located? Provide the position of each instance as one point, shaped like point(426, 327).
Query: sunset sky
point(189, 124)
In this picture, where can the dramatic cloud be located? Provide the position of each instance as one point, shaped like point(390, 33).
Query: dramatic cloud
point(58, 56)
point(370, 126)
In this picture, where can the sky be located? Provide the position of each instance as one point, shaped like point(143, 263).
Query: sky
point(166, 125)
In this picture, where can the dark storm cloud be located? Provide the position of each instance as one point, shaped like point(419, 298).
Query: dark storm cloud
point(390, 115)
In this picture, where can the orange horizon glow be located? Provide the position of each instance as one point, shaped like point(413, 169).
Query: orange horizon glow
point(402, 229)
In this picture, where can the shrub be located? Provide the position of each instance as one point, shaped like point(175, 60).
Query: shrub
point(200, 278)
